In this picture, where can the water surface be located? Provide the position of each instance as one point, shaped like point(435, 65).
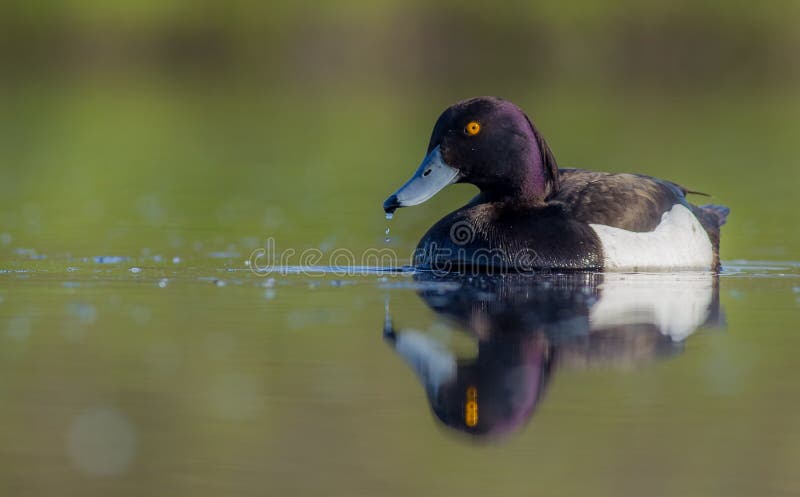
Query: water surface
point(140, 355)
point(204, 378)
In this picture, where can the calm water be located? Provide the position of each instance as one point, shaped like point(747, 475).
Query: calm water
point(140, 355)
point(157, 375)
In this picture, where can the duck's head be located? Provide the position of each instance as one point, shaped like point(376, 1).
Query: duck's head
point(487, 142)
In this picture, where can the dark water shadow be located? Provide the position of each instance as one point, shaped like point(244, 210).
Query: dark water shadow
point(528, 327)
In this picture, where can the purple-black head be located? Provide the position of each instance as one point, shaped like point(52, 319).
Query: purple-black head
point(487, 142)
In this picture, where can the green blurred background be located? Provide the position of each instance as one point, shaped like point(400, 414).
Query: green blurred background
point(292, 119)
point(182, 134)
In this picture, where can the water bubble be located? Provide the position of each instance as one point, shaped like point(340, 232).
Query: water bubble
point(101, 441)
point(224, 254)
point(72, 269)
point(80, 317)
point(176, 260)
point(235, 396)
point(19, 327)
point(85, 313)
point(162, 283)
point(141, 315)
point(274, 217)
point(151, 210)
point(219, 283)
point(135, 270)
point(109, 259)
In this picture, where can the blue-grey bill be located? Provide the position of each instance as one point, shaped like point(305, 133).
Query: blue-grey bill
point(431, 176)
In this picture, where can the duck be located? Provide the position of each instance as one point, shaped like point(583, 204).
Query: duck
point(532, 215)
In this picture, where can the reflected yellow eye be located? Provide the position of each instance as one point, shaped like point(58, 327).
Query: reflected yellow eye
point(472, 129)
point(471, 407)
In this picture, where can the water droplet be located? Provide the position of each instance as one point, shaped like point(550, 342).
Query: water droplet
point(135, 270)
point(389, 215)
point(162, 283)
point(176, 260)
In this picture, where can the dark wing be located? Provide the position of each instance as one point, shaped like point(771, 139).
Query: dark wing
point(628, 201)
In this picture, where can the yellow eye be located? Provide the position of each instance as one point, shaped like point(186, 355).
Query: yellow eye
point(472, 129)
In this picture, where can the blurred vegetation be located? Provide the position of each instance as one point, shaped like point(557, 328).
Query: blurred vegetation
point(169, 123)
point(678, 45)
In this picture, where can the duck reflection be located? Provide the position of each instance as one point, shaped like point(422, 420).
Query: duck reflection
point(528, 326)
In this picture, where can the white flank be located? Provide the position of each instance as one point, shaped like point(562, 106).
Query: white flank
point(676, 304)
point(678, 242)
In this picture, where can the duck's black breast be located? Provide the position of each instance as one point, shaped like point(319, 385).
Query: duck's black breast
point(494, 235)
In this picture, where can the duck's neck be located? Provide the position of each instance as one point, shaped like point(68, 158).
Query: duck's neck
point(522, 198)
point(528, 189)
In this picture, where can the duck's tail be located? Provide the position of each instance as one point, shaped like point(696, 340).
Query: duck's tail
point(712, 217)
point(716, 215)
